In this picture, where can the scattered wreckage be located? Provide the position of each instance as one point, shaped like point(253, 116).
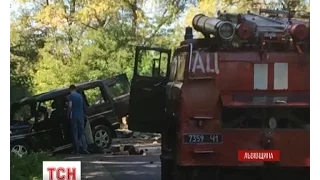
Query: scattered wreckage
point(40, 122)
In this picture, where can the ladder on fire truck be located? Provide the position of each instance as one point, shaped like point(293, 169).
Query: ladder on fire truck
point(274, 26)
point(286, 13)
point(277, 20)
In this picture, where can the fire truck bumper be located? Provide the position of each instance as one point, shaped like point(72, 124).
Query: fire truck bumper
point(247, 173)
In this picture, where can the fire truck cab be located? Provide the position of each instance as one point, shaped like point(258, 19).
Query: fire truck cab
point(232, 105)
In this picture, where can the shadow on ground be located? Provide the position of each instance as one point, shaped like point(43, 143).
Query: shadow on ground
point(120, 167)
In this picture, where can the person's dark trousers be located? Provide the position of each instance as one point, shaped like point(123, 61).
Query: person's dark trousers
point(77, 127)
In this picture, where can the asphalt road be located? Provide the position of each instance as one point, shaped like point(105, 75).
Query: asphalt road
point(120, 167)
point(133, 167)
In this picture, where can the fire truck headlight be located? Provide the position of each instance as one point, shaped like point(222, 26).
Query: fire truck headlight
point(226, 30)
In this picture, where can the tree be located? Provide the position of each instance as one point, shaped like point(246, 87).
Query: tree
point(55, 43)
point(25, 42)
point(87, 40)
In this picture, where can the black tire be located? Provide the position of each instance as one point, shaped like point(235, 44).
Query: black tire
point(21, 146)
point(99, 131)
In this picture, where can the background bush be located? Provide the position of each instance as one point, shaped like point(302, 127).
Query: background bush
point(28, 167)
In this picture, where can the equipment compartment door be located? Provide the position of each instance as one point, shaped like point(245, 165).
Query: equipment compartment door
point(148, 93)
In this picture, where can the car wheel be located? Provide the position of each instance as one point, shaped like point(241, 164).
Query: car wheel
point(102, 136)
point(20, 149)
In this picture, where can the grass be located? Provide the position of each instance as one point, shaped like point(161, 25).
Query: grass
point(28, 167)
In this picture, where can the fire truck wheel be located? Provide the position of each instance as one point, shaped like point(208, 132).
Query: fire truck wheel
point(167, 170)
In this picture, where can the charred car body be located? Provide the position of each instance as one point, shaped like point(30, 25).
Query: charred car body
point(40, 122)
point(244, 86)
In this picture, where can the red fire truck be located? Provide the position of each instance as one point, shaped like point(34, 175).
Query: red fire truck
point(231, 105)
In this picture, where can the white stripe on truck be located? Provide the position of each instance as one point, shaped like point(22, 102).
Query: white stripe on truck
point(280, 80)
point(260, 77)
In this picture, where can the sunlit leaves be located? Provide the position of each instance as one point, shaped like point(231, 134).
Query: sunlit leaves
point(57, 42)
point(95, 12)
point(52, 16)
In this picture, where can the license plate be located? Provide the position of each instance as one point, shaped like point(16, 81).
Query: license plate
point(202, 138)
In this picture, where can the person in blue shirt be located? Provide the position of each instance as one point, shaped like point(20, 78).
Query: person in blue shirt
point(77, 116)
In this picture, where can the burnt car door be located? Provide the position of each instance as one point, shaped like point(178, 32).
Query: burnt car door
point(147, 93)
point(43, 127)
point(31, 136)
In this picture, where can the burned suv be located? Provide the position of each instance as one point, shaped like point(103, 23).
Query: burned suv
point(40, 121)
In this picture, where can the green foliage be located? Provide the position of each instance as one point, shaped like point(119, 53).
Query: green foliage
point(93, 95)
point(18, 87)
point(56, 43)
point(28, 167)
point(118, 90)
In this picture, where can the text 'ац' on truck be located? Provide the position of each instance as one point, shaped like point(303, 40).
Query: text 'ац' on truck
point(232, 105)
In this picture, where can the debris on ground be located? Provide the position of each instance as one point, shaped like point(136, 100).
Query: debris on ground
point(133, 143)
point(134, 146)
point(124, 133)
point(139, 135)
point(137, 141)
point(124, 136)
point(126, 150)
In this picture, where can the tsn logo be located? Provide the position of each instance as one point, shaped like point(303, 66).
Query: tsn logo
point(61, 170)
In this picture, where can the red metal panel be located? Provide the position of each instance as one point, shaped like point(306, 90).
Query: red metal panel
point(294, 147)
point(298, 99)
point(199, 103)
point(299, 77)
point(237, 76)
point(270, 76)
point(235, 70)
point(233, 86)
